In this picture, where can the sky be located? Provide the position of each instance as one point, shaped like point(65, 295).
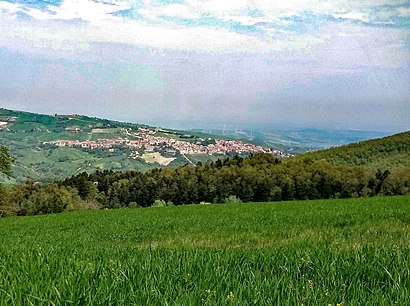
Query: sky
point(340, 64)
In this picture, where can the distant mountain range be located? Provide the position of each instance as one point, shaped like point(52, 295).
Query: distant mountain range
point(46, 148)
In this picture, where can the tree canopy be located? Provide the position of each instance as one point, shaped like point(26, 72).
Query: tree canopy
point(5, 161)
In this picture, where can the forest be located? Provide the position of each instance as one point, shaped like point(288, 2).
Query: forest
point(257, 178)
point(390, 152)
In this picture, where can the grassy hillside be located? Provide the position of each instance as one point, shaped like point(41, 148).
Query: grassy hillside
point(390, 152)
point(25, 133)
point(345, 252)
point(25, 121)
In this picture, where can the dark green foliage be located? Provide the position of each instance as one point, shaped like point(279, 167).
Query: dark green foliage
point(376, 167)
point(5, 161)
point(397, 182)
point(385, 153)
point(37, 199)
point(260, 177)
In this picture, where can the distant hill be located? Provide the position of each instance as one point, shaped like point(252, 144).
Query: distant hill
point(25, 134)
point(51, 148)
point(48, 148)
point(25, 121)
point(43, 148)
point(392, 152)
point(300, 140)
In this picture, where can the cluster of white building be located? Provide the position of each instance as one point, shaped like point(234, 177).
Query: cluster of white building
point(147, 140)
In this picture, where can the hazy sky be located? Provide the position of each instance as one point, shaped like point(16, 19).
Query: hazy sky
point(316, 63)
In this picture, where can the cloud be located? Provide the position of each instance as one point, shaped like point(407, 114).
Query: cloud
point(176, 10)
point(9, 8)
point(248, 12)
point(86, 10)
point(216, 56)
point(216, 26)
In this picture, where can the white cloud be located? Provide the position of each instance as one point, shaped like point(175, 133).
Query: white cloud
point(404, 11)
point(9, 8)
point(57, 35)
point(353, 16)
point(86, 10)
point(54, 30)
point(173, 10)
point(90, 10)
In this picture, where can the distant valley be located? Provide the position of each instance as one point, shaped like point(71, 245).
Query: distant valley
point(296, 140)
point(47, 147)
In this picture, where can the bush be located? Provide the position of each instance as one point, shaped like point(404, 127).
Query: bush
point(232, 199)
point(133, 205)
point(159, 203)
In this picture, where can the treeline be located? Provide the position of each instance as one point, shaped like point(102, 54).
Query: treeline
point(260, 177)
point(36, 199)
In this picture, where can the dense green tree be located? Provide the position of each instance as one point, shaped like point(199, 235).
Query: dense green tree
point(398, 182)
point(33, 199)
point(259, 177)
point(5, 161)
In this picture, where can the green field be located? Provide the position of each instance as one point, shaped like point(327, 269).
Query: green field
point(346, 252)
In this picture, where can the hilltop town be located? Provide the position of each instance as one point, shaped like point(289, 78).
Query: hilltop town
point(50, 147)
point(150, 140)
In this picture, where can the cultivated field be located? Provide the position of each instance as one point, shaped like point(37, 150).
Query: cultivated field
point(157, 158)
point(346, 252)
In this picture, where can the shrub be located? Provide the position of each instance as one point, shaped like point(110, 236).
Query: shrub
point(133, 205)
point(159, 203)
point(232, 199)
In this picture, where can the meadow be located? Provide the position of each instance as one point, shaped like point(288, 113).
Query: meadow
point(324, 252)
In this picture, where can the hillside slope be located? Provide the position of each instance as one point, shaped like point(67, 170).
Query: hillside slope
point(48, 148)
point(256, 178)
point(24, 133)
point(32, 141)
point(392, 152)
point(351, 252)
point(375, 167)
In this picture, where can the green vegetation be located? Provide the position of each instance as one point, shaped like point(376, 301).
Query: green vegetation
point(5, 161)
point(346, 252)
point(257, 178)
point(35, 199)
point(375, 167)
point(25, 134)
point(385, 153)
point(322, 252)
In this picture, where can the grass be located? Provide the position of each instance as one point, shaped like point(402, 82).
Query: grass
point(349, 252)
